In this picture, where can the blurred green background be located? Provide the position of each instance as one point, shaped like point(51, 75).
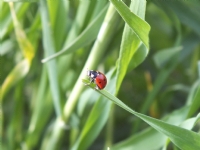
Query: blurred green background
point(47, 47)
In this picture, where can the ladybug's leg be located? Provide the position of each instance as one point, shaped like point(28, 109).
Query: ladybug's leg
point(91, 80)
point(96, 88)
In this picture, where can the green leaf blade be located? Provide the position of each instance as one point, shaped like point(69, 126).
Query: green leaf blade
point(87, 36)
point(184, 139)
point(139, 26)
point(49, 49)
point(131, 40)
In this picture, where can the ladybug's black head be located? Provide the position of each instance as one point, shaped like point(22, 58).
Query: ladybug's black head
point(92, 74)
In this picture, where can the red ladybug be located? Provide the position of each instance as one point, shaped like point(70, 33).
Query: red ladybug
point(97, 77)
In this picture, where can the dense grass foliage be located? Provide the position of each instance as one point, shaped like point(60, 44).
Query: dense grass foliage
point(148, 50)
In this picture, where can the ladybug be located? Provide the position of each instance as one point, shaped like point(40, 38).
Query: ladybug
point(98, 78)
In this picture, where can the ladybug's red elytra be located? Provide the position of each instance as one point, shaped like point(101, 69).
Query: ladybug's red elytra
point(98, 78)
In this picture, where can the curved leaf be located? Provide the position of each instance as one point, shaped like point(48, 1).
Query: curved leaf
point(184, 139)
point(138, 25)
point(148, 138)
point(25, 45)
point(132, 37)
point(19, 72)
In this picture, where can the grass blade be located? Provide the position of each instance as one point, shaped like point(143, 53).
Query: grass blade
point(139, 26)
point(49, 49)
point(184, 139)
point(86, 37)
point(148, 138)
point(130, 43)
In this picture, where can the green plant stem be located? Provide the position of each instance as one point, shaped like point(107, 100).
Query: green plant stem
point(110, 127)
point(97, 52)
point(104, 37)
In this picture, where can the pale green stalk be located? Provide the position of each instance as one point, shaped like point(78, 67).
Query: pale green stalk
point(105, 35)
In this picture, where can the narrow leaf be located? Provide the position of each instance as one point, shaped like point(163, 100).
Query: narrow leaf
point(49, 49)
point(148, 138)
point(87, 36)
point(184, 139)
point(25, 45)
point(19, 72)
point(139, 26)
point(130, 43)
point(195, 104)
